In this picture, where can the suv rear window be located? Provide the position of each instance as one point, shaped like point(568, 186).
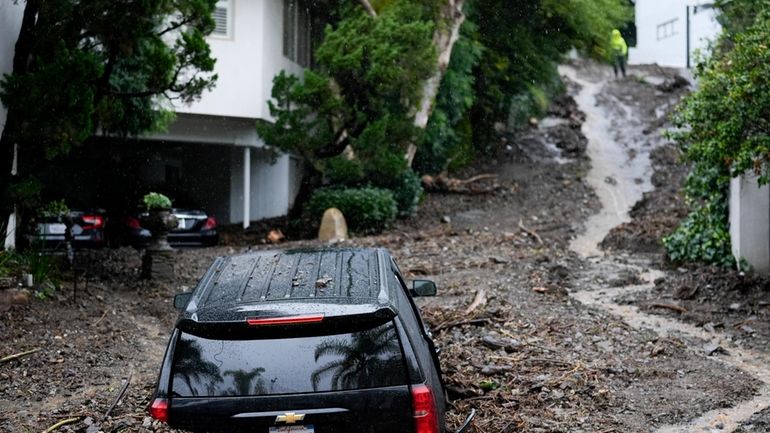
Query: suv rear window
point(217, 368)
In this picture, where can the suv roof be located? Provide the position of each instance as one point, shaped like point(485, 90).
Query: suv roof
point(346, 282)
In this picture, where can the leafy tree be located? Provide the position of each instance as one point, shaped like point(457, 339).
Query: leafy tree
point(724, 130)
point(362, 94)
point(523, 43)
point(99, 65)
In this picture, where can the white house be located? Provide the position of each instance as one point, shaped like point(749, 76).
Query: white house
point(211, 153)
point(670, 32)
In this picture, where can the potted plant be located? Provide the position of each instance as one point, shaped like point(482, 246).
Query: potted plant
point(159, 220)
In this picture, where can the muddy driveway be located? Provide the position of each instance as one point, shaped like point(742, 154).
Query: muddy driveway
point(532, 331)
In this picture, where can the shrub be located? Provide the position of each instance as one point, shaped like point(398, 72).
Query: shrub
point(407, 191)
point(366, 210)
point(156, 200)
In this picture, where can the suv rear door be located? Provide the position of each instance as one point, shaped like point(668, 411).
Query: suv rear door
point(348, 382)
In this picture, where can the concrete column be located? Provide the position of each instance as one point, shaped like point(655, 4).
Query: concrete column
point(246, 187)
point(750, 222)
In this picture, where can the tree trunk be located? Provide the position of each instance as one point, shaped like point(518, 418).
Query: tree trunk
point(9, 138)
point(444, 39)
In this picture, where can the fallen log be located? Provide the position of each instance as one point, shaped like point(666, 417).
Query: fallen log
point(446, 184)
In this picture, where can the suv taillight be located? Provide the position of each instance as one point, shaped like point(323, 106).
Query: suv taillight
point(210, 224)
point(159, 409)
point(425, 416)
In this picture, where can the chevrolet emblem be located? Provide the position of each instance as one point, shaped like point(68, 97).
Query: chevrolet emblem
point(290, 417)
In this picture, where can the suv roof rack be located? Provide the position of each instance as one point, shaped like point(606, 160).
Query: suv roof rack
point(350, 280)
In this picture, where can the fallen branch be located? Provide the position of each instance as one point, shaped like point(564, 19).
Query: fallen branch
point(456, 323)
point(119, 397)
point(18, 355)
point(443, 183)
point(671, 307)
point(481, 298)
point(100, 319)
point(60, 423)
point(530, 232)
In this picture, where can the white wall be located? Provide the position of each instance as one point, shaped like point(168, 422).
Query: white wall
point(671, 50)
point(10, 24)
point(270, 195)
point(247, 62)
point(750, 222)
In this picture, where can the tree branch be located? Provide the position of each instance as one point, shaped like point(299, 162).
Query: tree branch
point(369, 9)
point(444, 41)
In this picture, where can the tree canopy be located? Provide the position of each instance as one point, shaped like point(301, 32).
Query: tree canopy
point(100, 65)
point(724, 130)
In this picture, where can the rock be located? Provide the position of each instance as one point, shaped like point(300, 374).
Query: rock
point(13, 297)
point(333, 226)
point(446, 220)
point(494, 342)
point(275, 236)
point(712, 348)
point(492, 370)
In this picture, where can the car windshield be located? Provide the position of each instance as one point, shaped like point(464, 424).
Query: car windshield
point(218, 368)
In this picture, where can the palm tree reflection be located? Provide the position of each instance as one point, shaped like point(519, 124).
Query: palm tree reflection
point(243, 379)
point(190, 367)
point(369, 358)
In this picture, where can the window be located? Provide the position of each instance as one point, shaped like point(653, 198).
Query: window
point(296, 32)
point(218, 368)
point(667, 29)
point(223, 19)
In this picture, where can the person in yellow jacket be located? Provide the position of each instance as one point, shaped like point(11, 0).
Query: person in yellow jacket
point(619, 50)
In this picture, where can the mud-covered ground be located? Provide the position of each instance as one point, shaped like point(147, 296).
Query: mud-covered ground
point(529, 357)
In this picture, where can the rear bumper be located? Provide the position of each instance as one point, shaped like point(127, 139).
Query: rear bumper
point(141, 238)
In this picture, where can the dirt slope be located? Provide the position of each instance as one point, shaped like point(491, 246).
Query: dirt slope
point(531, 358)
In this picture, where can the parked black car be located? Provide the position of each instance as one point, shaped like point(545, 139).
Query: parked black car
point(196, 228)
point(88, 230)
point(302, 341)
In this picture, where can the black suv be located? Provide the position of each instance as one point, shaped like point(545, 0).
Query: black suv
point(302, 341)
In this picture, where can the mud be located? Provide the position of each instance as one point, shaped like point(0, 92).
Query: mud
point(572, 360)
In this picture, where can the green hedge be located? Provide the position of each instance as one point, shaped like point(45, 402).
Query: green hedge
point(366, 210)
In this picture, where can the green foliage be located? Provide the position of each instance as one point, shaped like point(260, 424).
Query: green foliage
point(704, 236)
point(55, 208)
point(724, 131)
point(407, 191)
point(725, 123)
point(361, 96)
point(43, 267)
point(156, 201)
point(25, 193)
point(366, 210)
point(88, 65)
point(738, 15)
point(523, 42)
point(448, 137)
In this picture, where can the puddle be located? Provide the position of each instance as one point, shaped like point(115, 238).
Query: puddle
point(614, 175)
